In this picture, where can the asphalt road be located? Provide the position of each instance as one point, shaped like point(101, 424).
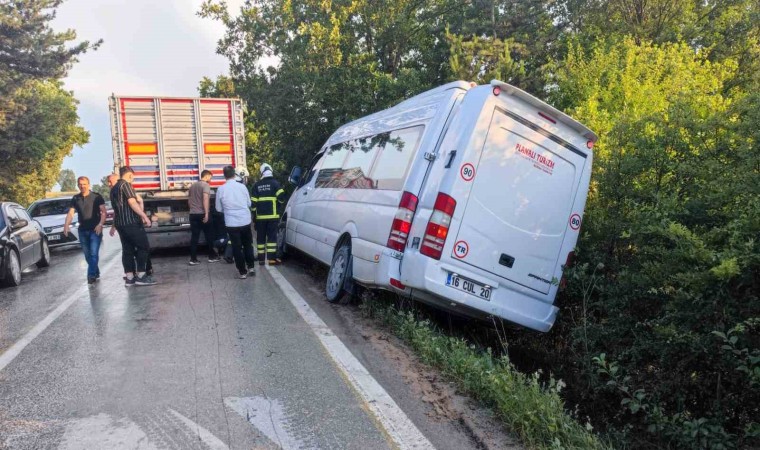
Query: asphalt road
point(205, 360)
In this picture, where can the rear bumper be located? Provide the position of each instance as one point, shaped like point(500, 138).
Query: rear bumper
point(428, 284)
point(171, 237)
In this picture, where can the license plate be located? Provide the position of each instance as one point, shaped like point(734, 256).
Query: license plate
point(469, 286)
point(55, 237)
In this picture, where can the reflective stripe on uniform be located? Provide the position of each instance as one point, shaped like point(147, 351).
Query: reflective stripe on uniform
point(270, 216)
point(274, 208)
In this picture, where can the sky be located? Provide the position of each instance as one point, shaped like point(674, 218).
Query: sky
point(150, 48)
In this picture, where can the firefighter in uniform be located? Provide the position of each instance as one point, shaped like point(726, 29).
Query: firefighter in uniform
point(267, 198)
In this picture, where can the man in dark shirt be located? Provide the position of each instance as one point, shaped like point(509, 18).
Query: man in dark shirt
point(91, 211)
point(200, 218)
point(129, 220)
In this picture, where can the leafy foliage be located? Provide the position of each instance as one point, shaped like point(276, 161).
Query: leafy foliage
point(30, 49)
point(38, 119)
point(67, 180)
point(102, 187)
point(35, 139)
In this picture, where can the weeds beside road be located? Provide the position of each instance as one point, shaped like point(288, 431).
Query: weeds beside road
point(532, 409)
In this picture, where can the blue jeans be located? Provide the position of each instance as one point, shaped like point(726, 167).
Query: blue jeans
point(91, 247)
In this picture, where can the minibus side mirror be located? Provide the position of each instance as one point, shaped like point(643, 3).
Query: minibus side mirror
point(295, 176)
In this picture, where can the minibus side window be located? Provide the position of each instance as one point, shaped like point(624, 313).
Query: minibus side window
point(330, 172)
point(313, 167)
point(396, 154)
point(362, 153)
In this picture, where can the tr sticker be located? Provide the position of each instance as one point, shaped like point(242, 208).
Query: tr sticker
point(575, 222)
point(461, 249)
point(467, 172)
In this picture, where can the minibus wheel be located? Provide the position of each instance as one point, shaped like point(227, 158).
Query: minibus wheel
point(336, 278)
point(282, 247)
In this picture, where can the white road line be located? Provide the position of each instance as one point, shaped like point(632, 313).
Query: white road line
point(10, 354)
point(401, 430)
point(213, 442)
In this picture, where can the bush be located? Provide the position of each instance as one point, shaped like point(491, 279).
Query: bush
point(531, 408)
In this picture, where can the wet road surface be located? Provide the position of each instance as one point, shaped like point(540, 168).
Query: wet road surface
point(202, 360)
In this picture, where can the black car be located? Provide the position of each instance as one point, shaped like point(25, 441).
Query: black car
point(22, 243)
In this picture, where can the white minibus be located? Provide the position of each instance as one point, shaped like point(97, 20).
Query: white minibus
point(465, 197)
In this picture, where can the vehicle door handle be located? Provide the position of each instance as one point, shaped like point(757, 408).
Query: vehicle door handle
point(305, 192)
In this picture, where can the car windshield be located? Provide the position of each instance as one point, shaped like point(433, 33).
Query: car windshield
point(2, 221)
point(50, 208)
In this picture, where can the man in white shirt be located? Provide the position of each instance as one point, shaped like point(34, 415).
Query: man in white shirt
point(234, 201)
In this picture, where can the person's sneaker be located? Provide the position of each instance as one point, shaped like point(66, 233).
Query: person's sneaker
point(274, 262)
point(194, 262)
point(214, 259)
point(145, 280)
point(252, 271)
point(229, 260)
point(243, 276)
point(129, 282)
point(91, 280)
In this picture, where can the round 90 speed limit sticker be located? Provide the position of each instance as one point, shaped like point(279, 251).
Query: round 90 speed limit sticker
point(467, 172)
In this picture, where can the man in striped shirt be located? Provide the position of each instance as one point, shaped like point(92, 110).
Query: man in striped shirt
point(129, 220)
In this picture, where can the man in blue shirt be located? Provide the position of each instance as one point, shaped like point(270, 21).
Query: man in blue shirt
point(233, 200)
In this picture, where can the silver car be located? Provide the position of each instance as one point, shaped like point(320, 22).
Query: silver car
point(51, 214)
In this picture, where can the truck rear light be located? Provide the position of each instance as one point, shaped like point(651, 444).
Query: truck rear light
point(568, 263)
point(438, 226)
point(402, 223)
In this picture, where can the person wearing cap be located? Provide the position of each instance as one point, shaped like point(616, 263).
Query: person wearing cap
point(267, 199)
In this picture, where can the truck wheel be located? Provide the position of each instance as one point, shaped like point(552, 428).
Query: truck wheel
point(12, 270)
point(45, 258)
point(339, 270)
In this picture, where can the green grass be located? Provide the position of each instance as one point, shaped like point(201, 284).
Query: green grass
point(531, 409)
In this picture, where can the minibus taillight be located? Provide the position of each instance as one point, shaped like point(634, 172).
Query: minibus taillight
point(438, 226)
point(568, 264)
point(402, 223)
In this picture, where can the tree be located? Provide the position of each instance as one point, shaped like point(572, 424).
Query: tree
point(31, 50)
point(38, 119)
point(67, 180)
point(102, 188)
point(34, 141)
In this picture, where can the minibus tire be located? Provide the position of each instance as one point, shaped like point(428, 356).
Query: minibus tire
point(282, 246)
point(336, 277)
